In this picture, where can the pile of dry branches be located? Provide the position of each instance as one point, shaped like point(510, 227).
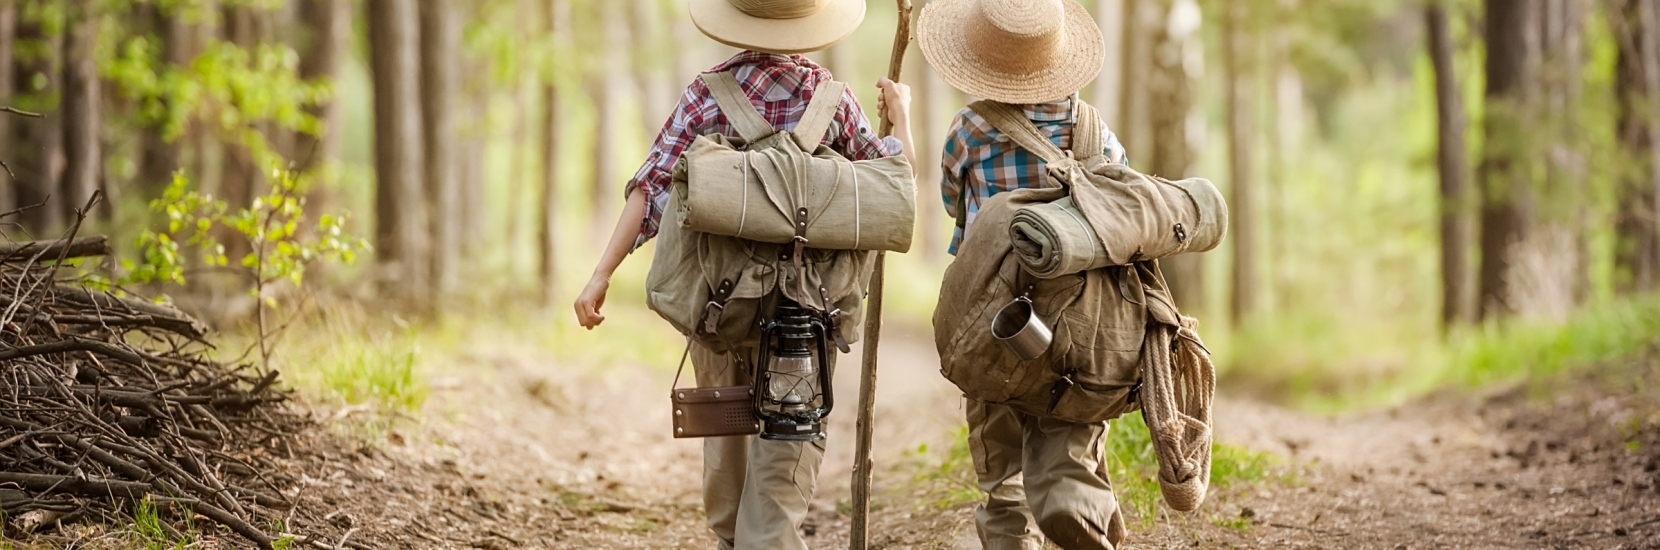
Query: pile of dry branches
point(105, 400)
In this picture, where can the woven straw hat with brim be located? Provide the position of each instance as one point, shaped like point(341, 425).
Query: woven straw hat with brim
point(1012, 51)
point(778, 26)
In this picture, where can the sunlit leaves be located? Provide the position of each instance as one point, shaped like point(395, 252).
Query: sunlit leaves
point(271, 227)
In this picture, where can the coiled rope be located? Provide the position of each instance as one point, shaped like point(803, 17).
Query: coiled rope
point(1178, 385)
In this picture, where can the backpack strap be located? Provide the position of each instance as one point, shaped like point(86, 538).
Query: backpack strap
point(1008, 119)
point(735, 104)
point(821, 111)
point(1087, 140)
point(1011, 122)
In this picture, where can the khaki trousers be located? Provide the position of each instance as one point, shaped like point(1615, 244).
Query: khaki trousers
point(755, 491)
point(1043, 478)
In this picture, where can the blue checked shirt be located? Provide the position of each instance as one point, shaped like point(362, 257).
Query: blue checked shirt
point(981, 160)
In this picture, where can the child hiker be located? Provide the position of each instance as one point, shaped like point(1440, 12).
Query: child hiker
point(755, 491)
point(1043, 477)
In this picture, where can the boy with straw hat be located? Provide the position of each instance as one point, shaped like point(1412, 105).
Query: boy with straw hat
point(1044, 478)
point(755, 492)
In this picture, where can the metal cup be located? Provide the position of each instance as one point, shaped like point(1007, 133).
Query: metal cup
point(1018, 326)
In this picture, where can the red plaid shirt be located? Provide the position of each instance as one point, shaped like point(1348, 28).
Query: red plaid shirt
point(780, 87)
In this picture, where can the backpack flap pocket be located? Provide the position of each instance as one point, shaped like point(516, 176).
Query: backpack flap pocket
point(1085, 403)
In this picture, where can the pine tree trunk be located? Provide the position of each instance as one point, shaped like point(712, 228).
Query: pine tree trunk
point(8, 35)
point(440, 45)
point(1168, 151)
point(1637, 84)
point(159, 156)
point(558, 27)
point(40, 168)
point(651, 89)
point(607, 86)
point(327, 32)
point(1242, 206)
point(1141, 17)
point(1104, 93)
point(1453, 169)
point(930, 98)
point(401, 236)
point(240, 176)
point(1506, 210)
point(81, 121)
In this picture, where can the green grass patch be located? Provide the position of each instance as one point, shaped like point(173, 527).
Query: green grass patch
point(150, 532)
point(948, 480)
point(340, 359)
point(1133, 466)
point(1326, 366)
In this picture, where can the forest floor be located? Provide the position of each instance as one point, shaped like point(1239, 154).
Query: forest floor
point(514, 452)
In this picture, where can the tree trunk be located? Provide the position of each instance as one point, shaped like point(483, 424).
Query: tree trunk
point(401, 237)
point(8, 34)
point(1109, 15)
point(240, 177)
point(40, 170)
point(83, 152)
point(159, 154)
point(1175, 65)
point(606, 85)
point(327, 32)
point(1637, 84)
point(652, 90)
point(440, 45)
point(558, 27)
point(1242, 206)
point(1507, 202)
point(1559, 253)
point(928, 92)
point(477, 89)
point(1141, 17)
point(1453, 169)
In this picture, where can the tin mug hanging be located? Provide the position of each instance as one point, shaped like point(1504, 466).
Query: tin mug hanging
point(1017, 326)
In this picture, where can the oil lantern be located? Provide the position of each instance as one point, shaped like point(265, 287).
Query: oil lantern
point(792, 378)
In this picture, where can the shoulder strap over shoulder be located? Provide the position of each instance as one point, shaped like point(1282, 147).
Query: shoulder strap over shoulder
point(1009, 120)
point(821, 111)
point(1087, 140)
point(736, 106)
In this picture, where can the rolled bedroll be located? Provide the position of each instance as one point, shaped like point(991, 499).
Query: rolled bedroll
point(760, 194)
point(1128, 217)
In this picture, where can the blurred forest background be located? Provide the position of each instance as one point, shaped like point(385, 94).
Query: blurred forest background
point(1422, 192)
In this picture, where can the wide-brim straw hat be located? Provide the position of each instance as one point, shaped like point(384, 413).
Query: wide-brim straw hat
point(1012, 51)
point(778, 26)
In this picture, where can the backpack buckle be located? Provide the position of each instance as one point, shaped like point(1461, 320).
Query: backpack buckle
point(717, 305)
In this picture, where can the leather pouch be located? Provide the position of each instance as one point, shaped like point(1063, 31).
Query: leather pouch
point(713, 412)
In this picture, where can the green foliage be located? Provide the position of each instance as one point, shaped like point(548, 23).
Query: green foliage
point(231, 90)
point(278, 250)
point(952, 480)
point(150, 533)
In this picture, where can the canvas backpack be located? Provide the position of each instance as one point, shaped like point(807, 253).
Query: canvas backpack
point(718, 289)
point(1100, 318)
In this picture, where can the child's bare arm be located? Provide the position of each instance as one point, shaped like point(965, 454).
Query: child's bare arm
point(622, 241)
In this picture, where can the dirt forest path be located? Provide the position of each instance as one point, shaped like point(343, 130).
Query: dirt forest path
point(522, 454)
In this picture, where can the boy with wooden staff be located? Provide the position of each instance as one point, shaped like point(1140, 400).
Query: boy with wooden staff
point(1044, 477)
point(756, 491)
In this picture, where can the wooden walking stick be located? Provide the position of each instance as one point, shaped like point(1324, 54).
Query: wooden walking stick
point(859, 538)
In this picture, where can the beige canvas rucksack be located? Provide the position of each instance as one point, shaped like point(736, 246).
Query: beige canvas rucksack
point(716, 287)
point(1119, 343)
